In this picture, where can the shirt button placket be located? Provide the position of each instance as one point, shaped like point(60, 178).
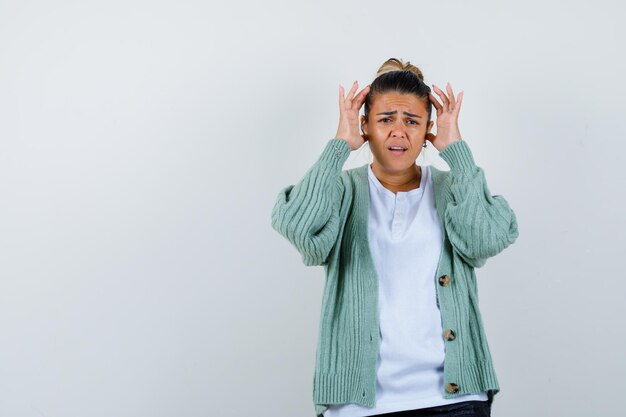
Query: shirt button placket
point(398, 217)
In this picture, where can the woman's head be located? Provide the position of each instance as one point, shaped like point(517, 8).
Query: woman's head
point(397, 113)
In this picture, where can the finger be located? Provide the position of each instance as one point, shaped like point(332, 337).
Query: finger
point(437, 105)
point(452, 100)
point(341, 98)
point(352, 90)
point(445, 99)
point(458, 104)
point(360, 98)
point(441, 94)
point(434, 100)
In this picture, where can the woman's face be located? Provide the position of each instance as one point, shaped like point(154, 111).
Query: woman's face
point(396, 120)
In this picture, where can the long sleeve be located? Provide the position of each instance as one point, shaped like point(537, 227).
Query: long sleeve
point(307, 213)
point(479, 225)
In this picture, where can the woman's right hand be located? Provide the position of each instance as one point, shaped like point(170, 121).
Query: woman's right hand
point(349, 108)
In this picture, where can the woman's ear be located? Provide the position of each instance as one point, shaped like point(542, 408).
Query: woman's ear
point(363, 125)
point(430, 126)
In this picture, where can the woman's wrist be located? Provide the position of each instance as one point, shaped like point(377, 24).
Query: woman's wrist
point(343, 137)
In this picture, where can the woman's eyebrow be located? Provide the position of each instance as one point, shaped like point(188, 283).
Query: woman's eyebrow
point(389, 113)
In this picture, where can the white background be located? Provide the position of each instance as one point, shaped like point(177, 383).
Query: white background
point(142, 146)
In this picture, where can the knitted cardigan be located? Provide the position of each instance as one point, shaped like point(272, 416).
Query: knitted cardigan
point(325, 217)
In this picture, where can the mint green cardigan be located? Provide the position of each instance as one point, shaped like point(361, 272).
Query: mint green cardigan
point(325, 217)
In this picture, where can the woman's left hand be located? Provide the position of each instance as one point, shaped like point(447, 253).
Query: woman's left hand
point(447, 118)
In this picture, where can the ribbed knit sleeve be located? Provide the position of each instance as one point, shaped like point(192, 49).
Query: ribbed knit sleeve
point(307, 213)
point(479, 225)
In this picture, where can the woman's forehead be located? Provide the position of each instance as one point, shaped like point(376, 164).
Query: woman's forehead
point(391, 101)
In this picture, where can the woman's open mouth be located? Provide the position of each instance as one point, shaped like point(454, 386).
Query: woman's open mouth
point(397, 150)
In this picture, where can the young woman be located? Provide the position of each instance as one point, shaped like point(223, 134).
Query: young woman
point(400, 329)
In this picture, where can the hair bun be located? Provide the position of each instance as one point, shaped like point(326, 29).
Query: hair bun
point(395, 64)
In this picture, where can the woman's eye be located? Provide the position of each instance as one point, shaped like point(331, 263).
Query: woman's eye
point(384, 119)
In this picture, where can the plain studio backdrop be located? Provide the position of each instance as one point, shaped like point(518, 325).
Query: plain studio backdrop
point(142, 147)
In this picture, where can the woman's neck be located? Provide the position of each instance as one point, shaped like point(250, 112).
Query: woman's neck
point(403, 181)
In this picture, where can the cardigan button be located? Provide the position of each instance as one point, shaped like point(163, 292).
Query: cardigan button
point(452, 388)
point(449, 334)
point(444, 280)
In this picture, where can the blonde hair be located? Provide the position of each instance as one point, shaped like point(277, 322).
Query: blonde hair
point(398, 64)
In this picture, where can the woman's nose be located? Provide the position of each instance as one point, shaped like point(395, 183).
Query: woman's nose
point(398, 129)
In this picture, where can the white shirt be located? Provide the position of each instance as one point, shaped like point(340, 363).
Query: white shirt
point(405, 239)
